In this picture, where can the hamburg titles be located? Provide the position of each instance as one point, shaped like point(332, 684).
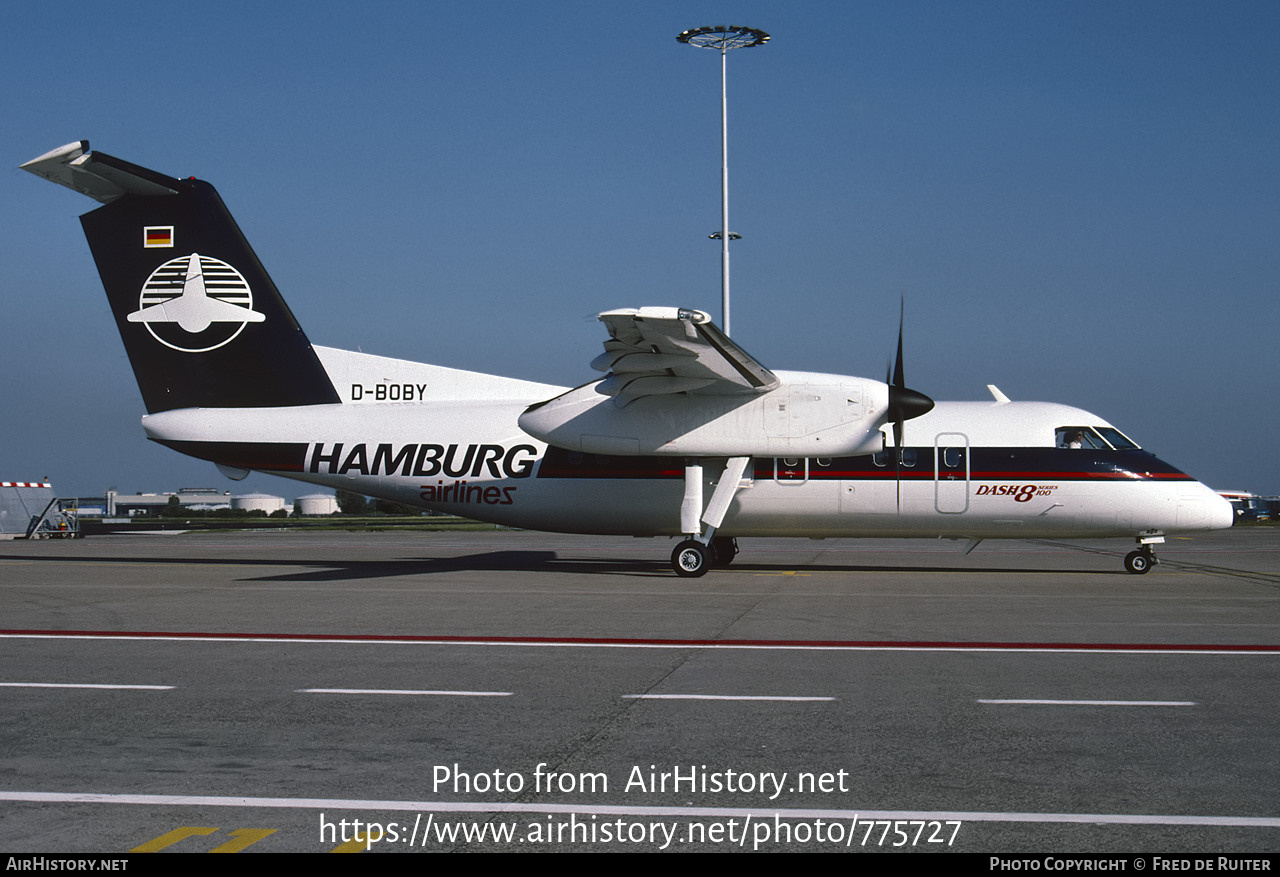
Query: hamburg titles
point(426, 460)
point(454, 461)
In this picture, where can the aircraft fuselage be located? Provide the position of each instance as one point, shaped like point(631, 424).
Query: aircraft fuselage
point(472, 459)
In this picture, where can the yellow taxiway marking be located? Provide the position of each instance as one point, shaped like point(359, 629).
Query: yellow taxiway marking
point(244, 837)
point(357, 844)
point(170, 838)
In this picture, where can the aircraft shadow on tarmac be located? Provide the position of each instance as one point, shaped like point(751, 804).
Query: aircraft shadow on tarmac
point(521, 561)
point(547, 561)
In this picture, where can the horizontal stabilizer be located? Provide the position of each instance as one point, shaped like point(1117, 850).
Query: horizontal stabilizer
point(102, 177)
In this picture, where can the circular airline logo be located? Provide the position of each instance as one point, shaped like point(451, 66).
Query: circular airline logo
point(195, 304)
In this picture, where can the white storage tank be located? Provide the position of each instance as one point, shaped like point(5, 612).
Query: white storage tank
point(252, 502)
point(317, 504)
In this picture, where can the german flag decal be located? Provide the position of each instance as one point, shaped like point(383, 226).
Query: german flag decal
point(157, 236)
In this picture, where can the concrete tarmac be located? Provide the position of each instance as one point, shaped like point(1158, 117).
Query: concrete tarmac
point(522, 691)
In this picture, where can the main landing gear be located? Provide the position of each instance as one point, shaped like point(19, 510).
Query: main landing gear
point(726, 549)
point(1140, 562)
point(691, 558)
point(704, 550)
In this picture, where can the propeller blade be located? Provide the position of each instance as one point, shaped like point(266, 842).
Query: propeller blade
point(904, 404)
point(898, 379)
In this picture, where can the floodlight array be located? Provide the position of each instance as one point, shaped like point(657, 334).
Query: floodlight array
point(724, 37)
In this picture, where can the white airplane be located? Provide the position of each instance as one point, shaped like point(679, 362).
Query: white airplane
point(683, 412)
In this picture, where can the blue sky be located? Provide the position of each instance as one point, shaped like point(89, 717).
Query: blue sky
point(1079, 201)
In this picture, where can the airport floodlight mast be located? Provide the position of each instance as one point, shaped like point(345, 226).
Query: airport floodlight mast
point(724, 38)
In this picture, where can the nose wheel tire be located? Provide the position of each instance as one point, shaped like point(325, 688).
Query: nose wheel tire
point(1138, 562)
point(691, 559)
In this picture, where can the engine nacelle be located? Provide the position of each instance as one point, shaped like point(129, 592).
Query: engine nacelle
point(807, 415)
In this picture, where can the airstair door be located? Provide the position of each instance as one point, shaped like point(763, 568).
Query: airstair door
point(951, 473)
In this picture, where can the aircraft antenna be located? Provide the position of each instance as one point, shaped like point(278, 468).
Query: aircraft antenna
point(724, 37)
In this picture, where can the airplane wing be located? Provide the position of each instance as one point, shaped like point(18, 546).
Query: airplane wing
point(657, 351)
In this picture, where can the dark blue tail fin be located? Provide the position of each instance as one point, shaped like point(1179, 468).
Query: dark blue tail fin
point(201, 321)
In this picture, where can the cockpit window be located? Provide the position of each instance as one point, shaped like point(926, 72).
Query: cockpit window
point(1079, 437)
point(1095, 438)
point(1118, 440)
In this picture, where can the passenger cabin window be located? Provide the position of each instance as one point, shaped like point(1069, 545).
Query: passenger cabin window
point(885, 458)
point(791, 469)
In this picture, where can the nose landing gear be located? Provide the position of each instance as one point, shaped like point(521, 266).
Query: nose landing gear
point(1140, 562)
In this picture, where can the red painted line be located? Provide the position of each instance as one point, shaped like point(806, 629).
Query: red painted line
point(690, 643)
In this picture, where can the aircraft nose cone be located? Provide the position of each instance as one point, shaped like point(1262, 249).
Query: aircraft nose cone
point(1221, 514)
point(905, 403)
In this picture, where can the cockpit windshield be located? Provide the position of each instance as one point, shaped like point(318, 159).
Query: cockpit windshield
point(1119, 440)
point(1095, 438)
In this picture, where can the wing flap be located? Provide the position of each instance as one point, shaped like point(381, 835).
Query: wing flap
point(657, 351)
